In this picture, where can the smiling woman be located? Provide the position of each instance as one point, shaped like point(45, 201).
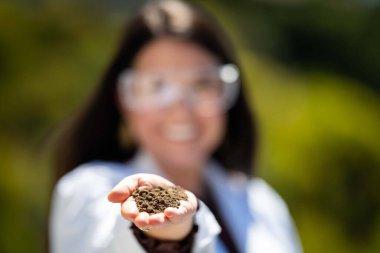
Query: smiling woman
point(179, 133)
point(175, 87)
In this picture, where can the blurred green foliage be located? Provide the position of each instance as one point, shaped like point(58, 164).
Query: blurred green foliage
point(313, 74)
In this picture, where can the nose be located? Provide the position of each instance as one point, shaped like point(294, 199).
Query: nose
point(181, 100)
point(180, 95)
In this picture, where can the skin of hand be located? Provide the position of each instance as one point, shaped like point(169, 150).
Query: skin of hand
point(172, 224)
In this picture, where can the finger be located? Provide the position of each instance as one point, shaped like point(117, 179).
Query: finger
point(186, 208)
point(171, 213)
point(157, 219)
point(142, 220)
point(176, 214)
point(129, 209)
point(123, 190)
point(192, 200)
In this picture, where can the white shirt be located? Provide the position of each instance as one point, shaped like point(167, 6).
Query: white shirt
point(83, 220)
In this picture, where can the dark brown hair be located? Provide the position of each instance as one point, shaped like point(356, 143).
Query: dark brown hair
point(94, 133)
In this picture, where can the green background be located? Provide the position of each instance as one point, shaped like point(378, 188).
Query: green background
point(312, 70)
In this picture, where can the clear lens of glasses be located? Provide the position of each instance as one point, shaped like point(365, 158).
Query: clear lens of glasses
point(208, 91)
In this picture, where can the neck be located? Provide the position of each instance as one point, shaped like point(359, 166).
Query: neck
point(190, 178)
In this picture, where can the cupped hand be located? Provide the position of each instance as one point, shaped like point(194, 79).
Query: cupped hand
point(173, 223)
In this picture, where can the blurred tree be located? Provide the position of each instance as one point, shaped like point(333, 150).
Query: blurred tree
point(333, 36)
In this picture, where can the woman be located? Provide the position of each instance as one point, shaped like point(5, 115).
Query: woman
point(170, 110)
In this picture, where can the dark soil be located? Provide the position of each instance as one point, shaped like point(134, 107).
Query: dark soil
point(157, 199)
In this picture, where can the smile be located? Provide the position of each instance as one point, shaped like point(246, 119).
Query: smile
point(180, 132)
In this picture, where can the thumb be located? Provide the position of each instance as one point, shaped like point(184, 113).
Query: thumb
point(123, 190)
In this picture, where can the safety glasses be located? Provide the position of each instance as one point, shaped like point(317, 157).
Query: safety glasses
point(207, 91)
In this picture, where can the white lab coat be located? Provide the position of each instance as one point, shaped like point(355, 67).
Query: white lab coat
point(82, 220)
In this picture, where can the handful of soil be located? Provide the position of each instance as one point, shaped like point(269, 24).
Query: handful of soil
point(157, 199)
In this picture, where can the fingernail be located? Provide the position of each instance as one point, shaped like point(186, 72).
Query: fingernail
point(170, 215)
point(145, 229)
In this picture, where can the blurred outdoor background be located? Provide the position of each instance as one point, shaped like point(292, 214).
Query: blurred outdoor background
point(313, 75)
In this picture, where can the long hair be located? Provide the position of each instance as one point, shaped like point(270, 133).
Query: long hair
point(94, 133)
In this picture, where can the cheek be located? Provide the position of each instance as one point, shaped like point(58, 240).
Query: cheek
point(214, 129)
point(141, 126)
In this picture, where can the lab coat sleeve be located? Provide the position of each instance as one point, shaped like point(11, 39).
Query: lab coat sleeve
point(83, 220)
point(208, 230)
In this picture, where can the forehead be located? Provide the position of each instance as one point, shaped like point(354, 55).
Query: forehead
point(171, 53)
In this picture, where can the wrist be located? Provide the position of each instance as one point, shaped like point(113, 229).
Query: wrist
point(172, 231)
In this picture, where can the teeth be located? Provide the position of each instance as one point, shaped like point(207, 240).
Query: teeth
point(180, 132)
